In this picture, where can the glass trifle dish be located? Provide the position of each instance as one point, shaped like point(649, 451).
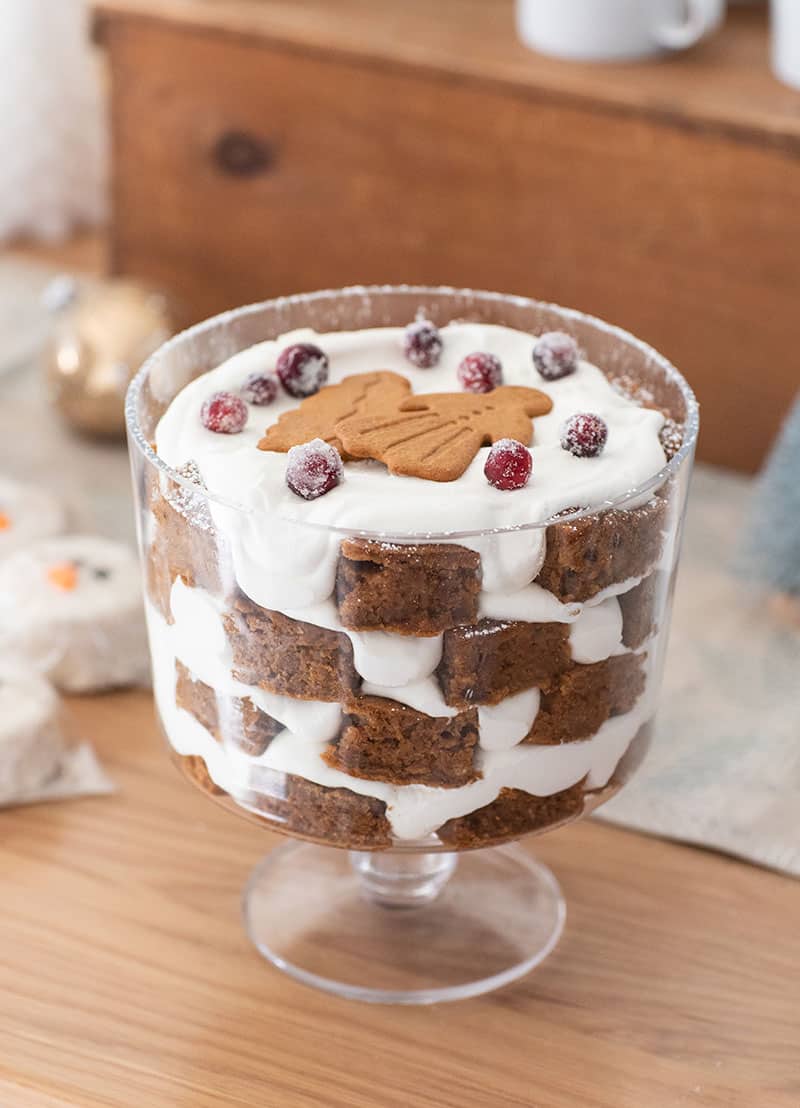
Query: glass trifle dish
point(409, 555)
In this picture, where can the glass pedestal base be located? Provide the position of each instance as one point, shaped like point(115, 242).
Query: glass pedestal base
point(403, 928)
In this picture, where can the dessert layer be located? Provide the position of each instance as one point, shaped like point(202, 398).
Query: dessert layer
point(280, 564)
point(413, 810)
point(483, 665)
point(340, 817)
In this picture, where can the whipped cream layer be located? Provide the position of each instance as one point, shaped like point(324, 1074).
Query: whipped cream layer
point(413, 811)
point(283, 565)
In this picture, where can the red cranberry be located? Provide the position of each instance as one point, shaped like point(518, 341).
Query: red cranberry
point(555, 355)
point(303, 369)
point(509, 465)
point(224, 413)
point(313, 469)
point(423, 344)
point(480, 372)
point(260, 389)
point(584, 435)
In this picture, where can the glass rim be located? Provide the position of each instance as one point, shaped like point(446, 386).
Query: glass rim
point(691, 423)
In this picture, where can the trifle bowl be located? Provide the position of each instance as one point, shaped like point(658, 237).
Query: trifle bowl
point(409, 556)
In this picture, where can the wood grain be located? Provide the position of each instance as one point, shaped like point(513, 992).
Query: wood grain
point(726, 83)
point(447, 166)
point(127, 980)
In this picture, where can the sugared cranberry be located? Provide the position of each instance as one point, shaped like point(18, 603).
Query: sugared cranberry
point(480, 372)
point(313, 469)
point(224, 413)
point(556, 355)
point(302, 368)
point(260, 389)
point(423, 344)
point(509, 465)
point(584, 435)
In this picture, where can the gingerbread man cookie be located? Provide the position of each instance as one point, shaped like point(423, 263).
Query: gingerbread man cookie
point(434, 436)
point(317, 416)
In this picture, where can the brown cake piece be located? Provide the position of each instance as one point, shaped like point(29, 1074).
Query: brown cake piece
point(335, 817)
point(586, 555)
point(287, 656)
point(410, 590)
point(638, 607)
point(576, 704)
point(512, 814)
point(185, 543)
point(492, 659)
point(626, 682)
point(383, 740)
point(232, 719)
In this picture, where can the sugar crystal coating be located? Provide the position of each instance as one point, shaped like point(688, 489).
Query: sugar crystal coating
point(302, 368)
point(422, 344)
point(313, 469)
point(555, 355)
point(584, 435)
point(480, 372)
point(224, 413)
point(508, 465)
point(260, 389)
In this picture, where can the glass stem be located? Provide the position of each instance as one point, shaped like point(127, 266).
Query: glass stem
point(396, 879)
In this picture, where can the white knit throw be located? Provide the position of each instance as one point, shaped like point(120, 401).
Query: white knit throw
point(52, 125)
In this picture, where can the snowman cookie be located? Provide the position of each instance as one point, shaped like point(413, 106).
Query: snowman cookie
point(71, 609)
point(27, 513)
point(31, 741)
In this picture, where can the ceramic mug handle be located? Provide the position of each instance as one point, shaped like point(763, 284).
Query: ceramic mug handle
point(703, 17)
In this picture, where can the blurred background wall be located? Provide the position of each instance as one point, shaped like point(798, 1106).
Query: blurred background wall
point(260, 147)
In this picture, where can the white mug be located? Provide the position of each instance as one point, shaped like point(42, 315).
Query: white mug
point(616, 30)
point(786, 41)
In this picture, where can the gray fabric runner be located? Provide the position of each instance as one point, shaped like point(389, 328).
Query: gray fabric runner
point(724, 770)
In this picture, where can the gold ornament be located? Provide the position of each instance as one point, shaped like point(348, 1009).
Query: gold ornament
point(102, 333)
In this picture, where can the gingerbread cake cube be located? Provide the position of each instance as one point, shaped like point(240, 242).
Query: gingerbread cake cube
point(385, 740)
point(287, 656)
point(410, 590)
point(492, 659)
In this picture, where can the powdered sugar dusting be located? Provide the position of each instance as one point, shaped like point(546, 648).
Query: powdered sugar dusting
point(191, 505)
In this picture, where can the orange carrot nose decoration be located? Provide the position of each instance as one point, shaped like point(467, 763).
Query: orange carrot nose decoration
point(63, 576)
point(5, 522)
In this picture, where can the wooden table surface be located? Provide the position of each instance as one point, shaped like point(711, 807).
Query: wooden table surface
point(127, 981)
